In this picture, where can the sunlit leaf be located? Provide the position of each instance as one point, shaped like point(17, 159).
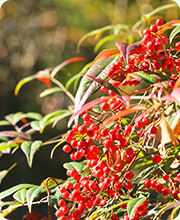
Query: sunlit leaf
point(133, 204)
point(4, 123)
point(123, 113)
point(86, 107)
point(3, 174)
point(73, 165)
point(5, 146)
point(20, 195)
point(10, 191)
point(23, 82)
point(177, 2)
point(87, 86)
point(95, 214)
point(50, 91)
point(174, 32)
point(2, 2)
point(106, 54)
point(54, 148)
point(31, 194)
point(30, 149)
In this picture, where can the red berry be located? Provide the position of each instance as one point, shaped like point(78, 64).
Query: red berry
point(128, 185)
point(129, 175)
point(159, 22)
point(67, 148)
point(153, 28)
point(147, 183)
point(177, 45)
point(165, 191)
point(156, 158)
point(61, 202)
point(153, 130)
point(165, 177)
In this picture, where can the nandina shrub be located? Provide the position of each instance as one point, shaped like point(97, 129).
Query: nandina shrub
point(124, 144)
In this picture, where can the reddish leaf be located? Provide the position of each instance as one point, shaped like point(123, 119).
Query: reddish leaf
point(14, 134)
point(126, 49)
point(43, 79)
point(34, 216)
point(123, 113)
point(86, 107)
point(66, 62)
point(105, 54)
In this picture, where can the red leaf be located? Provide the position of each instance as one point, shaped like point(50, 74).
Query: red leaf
point(45, 80)
point(34, 216)
point(123, 113)
point(86, 107)
point(66, 62)
point(105, 54)
point(174, 96)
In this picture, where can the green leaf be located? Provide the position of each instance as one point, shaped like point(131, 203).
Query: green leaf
point(30, 149)
point(32, 115)
point(35, 125)
point(4, 123)
point(73, 165)
point(148, 78)
point(24, 81)
point(143, 174)
point(5, 146)
point(2, 218)
point(20, 195)
point(95, 214)
point(50, 91)
point(54, 148)
point(31, 194)
point(175, 31)
point(116, 28)
point(10, 191)
point(133, 204)
point(46, 120)
point(3, 174)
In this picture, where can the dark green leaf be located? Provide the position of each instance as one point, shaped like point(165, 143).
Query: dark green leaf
point(148, 78)
point(73, 165)
point(133, 204)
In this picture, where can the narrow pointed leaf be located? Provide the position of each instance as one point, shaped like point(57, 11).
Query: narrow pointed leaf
point(10, 191)
point(86, 107)
point(3, 173)
point(106, 54)
point(4, 123)
point(23, 82)
point(87, 86)
point(123, 113)
point(73, 165)
point(66, 62)
point(54, 148)
point(174, 32)
point(122, 48)
point(49, 91)
point(34, 147)
point(14, 134)
point(148, 78)
point(4, 146)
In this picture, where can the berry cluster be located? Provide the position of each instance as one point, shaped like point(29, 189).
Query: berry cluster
point(111, 152)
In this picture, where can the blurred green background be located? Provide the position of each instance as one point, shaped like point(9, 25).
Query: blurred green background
point(38, 34)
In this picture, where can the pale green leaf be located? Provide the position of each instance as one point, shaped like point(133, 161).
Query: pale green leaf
point(174, 32)
point(133, 204)
point(73, 165)
point(50, 91)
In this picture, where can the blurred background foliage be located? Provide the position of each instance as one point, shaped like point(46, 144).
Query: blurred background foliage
point(38, 34)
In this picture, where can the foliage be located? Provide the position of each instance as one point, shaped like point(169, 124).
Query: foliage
point(124, 145)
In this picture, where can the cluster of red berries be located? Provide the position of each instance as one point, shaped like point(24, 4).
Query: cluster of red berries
point(109, 152)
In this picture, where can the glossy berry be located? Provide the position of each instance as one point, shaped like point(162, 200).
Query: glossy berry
point(129, 175)
point(159, 22)
point(177, 45)
point(128, 185)
point(156, 158)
